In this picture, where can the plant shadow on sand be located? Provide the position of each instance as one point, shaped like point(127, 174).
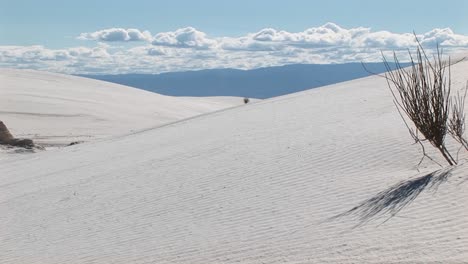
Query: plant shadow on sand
point(392, 200)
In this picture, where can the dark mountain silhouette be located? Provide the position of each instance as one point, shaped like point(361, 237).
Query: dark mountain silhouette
point(258, 83)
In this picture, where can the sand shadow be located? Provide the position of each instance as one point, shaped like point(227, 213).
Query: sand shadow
point(392, 200)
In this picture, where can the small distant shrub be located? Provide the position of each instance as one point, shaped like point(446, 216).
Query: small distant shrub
point(75, 143)
point(246, 100)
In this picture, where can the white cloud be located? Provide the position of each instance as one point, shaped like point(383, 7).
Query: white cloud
point(188, 37)
point(155, 52)
point(270, 39)
point(332, 35)
point(444, 37)
point(191, 49)
point(60, 60)
point(148, 50)
point(184, 38)
point(117, 34)
point(248, 43)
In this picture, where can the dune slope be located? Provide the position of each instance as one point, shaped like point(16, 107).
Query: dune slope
point(262, 183)
point(55, 109)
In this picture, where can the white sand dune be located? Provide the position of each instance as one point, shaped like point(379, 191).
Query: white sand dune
point(260, 183)
point(55, 109)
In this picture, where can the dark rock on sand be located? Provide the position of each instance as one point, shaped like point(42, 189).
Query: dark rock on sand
point(6, 138)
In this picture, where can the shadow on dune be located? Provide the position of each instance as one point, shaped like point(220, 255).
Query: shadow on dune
point(392, 200)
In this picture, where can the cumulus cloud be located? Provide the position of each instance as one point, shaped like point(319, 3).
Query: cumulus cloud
point(444, 37)
point(191, 49)
point(332, 35)
point(117, 34)
point(318, 37)
point(187, 37)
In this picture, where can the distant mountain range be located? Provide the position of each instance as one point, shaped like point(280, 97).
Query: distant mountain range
point(258, 83)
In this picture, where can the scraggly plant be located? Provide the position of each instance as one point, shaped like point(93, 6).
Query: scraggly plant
point(456, 126)
point(422, 93)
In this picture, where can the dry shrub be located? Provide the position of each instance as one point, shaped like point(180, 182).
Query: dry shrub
point(422, 93)
point(456, 126)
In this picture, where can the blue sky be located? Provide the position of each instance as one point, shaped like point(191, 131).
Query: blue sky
point(56, 25)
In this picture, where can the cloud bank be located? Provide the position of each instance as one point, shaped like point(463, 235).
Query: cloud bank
point(191, 49)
